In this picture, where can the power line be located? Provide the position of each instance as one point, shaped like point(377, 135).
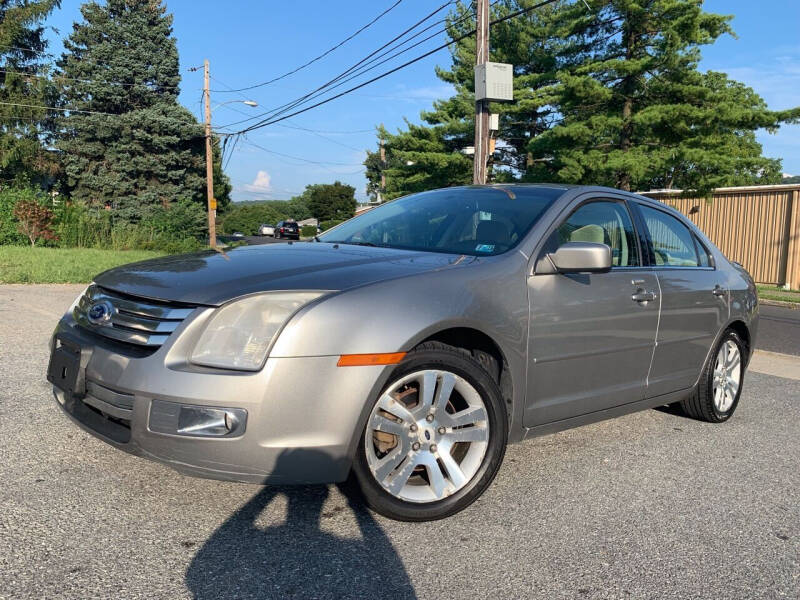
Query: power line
point(230, 88)
point(319, 135)
point(63, 77)
point(91, 112)
point(298, 158)
point(348, 71)
point(57, 77)
point(230, 153)
point(270, 120)
point(366, 67)
point(354, 131)
point(313, 60)
point(24, 49)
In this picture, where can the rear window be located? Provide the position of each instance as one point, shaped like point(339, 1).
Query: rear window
point(673, 243)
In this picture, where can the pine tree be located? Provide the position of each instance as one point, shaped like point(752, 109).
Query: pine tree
point(636, 112)
point(434, 149)
point(135, 147)
point(24, 128)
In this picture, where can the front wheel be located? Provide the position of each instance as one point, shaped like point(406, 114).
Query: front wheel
point(435, 436)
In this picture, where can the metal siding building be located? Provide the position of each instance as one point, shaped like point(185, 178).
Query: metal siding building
point(757, 226)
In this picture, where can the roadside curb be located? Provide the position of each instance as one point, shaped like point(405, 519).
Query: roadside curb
point(774, 363)
point(784, 304)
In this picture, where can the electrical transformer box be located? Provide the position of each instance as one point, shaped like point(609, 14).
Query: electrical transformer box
point(494, 81)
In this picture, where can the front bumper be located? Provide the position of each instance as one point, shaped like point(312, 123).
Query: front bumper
point(304, 414)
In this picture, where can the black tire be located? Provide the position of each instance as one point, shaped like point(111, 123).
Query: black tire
point(460, 362)
point(700, 405)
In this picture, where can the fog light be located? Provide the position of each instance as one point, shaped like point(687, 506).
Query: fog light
point(200, 421)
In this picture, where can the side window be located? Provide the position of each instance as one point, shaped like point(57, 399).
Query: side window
point(673, 243)
point(702, 252)
point(603, 222)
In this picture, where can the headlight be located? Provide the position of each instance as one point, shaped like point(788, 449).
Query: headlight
point(239, 334)
point(77, 300)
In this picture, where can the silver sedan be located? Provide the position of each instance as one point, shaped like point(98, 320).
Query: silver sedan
point(406, 347)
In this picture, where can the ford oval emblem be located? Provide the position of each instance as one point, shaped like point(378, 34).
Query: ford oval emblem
point(100, 312)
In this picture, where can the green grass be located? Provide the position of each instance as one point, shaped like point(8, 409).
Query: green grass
point(23, 264)
point(771, 292)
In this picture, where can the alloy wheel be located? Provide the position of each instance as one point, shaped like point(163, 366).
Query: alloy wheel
point(427, 436)
point(727, 376)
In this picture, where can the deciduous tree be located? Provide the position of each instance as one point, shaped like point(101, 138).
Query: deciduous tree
point(331, 201)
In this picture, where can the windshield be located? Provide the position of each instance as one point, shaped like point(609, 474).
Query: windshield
point(478, 221)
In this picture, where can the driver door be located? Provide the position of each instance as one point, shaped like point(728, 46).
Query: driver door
point(591, 335)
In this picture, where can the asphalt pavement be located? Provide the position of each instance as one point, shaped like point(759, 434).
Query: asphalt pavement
point(651, 505)
point(779, 329)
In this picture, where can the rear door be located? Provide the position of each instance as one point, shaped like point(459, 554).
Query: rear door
point(590, 339)
point(694, 300)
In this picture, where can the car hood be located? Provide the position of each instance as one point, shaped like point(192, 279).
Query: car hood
point(212, 277)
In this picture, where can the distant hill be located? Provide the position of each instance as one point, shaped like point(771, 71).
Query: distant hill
point(794, 179)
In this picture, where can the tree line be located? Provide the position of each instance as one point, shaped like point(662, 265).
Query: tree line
point(609, 95)
point(100, 129)
point(329, 203)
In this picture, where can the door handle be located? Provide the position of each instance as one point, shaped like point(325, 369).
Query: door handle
point(718, 291)
point(642, 296)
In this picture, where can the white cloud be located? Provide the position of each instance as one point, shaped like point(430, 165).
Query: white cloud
point(416, 94)
point(260, 184)
point(775, 76)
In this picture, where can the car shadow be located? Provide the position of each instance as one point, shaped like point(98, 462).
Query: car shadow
point(296, 558)
point(673, 409)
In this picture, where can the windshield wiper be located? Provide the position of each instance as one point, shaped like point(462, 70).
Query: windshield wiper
point(361, 244)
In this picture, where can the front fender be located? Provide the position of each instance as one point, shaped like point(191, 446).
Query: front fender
point(489, 296)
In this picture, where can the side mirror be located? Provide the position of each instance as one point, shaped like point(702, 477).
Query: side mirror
point(582, 257)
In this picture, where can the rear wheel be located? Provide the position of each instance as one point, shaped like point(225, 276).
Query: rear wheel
point(717, 393)
point(435, 437)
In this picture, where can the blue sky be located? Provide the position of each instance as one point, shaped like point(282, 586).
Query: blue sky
point(250, 42)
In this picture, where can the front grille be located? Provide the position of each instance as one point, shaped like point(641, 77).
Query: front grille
point(131, 320)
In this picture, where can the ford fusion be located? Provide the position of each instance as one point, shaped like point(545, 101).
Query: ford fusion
point(407, 346)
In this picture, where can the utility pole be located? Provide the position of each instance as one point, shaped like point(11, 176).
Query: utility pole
point(212, 203)
point(383, 172)
point(481, 106)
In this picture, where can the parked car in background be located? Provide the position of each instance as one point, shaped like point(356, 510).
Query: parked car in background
point(266, 229)
point(455, 321)
point(287, 229)
point(237, 234)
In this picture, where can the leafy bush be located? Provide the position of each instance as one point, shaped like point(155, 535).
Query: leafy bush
point(9, 197)
point(34, 220)
point(308, 231)
point(178, 227)
point(177, 221)
point(77, 226)
point(325, 225)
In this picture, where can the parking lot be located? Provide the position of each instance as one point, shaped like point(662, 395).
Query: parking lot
point(651, 505)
